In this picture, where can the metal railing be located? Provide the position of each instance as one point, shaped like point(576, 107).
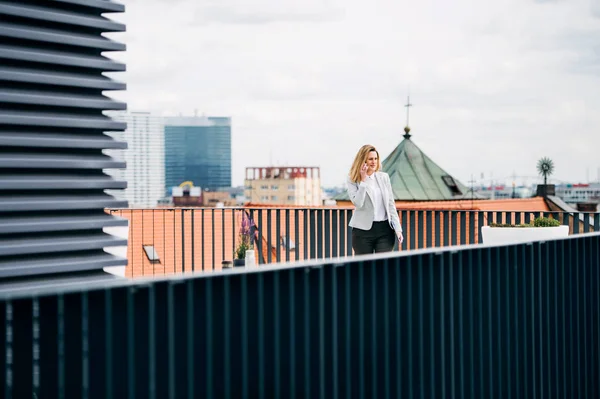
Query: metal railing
point(470, 322)
point(199, 239)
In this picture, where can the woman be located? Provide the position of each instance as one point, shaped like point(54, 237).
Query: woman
point(375, 223)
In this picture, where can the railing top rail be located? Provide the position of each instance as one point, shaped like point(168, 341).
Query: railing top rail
point(302, 208)
point(42, 288)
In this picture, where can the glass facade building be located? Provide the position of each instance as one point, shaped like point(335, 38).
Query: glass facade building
point(198, 149)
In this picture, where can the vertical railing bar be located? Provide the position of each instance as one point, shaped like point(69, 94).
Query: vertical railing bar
point(429, 228)
point(438, 229)
point(223, 234)
point(296, 234)
point(576, 221)
point(287, 235)
point(190, 337)
point(327, 233)
point(213, 253)
point(446, 219)
point(348, 232)
point(174, 241)
point(313, 233)
point(453, 216)
point(463, 227)
point(203, 229)
point(421, 228)
point(278, 234)
point(171, 339)
point(335, 240)
point(260, 238)
point(412, 227)
point(319, 232)
point(480, 223)
point(183, 240)
point(471, 227)
point(305, 232)
point(269, 241)
point(193, 216)
point(233, 229)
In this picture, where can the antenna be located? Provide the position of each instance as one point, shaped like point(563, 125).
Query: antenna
point(408, 105)
point(472, 191)
point(407, 128)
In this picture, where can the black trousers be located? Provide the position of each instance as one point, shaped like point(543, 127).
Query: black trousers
point(381, 238)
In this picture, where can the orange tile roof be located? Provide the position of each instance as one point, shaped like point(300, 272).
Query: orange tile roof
point(535, 204)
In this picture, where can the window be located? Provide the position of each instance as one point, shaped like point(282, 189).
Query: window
point(264, 197)
point(291, 197)
point(273, 198)
point(291, 187)
point(264, 187)
point(151, 253)
point(449, 181)
point(274, 187)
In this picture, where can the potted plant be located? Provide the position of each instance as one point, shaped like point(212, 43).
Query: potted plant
point(240, 252)
point(245, 249)
point(541, 228)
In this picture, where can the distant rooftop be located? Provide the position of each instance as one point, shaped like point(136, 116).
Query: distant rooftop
point(198, 121)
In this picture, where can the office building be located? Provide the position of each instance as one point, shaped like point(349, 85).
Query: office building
point(286, 185)
point(198, 149)
point(145, 173)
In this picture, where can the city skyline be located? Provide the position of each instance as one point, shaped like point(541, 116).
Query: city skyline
point(493, 89)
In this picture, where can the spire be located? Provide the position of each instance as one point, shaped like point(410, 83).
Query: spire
point(407, 128)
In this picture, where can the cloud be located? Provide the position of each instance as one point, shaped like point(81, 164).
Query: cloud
point(261, 12)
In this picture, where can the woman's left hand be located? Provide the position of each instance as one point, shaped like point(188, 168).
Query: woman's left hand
point(400, 238)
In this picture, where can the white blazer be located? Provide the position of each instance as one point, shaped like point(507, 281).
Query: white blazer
point(364, 214)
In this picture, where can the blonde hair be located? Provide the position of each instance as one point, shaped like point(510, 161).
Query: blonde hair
point(360, 159)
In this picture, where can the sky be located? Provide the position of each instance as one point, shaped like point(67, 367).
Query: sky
point(495, 86)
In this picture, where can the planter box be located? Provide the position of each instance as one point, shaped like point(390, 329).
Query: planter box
point(512, 235)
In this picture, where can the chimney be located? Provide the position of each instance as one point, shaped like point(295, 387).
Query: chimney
point(544, 190)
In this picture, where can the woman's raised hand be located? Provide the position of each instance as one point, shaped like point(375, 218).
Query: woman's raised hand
point(363, 172)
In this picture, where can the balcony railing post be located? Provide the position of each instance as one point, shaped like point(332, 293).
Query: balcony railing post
point(313, 233)
point(455, 229)
point(412, 236)
point(278, 234)
point(327, 233)
point(183, 240)
point(287, 235)
point(223, 256)
point(269, 243)
point(429, 228)
point(446, 227)
point(463, 227)
point(193, 232)
point(297, 234)
point(576, 222)
point(480, 224)
point(305, 233)
point(438, 229)
point(421, 231)
point(214, 236)
point(347, 231)
point(472, 227)
point(322, 237)
point(334, 231)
